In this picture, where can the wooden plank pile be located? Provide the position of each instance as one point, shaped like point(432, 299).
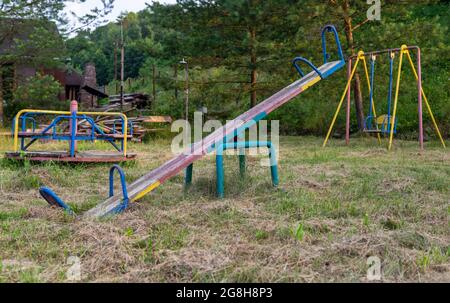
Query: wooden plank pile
point(134, 100)
point(139, 129)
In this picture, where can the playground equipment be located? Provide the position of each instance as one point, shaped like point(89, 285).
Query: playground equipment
point(385, 124)
point(54, 200)
point(70, 132)
point(242, 167)
point(382, 124)
point(221, 138)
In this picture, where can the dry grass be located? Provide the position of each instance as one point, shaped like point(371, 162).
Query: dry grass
point(335, 207)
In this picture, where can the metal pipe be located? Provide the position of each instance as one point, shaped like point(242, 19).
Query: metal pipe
point(347, 87)
point(393, 50)
point(347, 122)
point(419, 100)
point(123, 182)
point(426, 102)
point(397, 89)
point(52, 112)
point(391, 80)
point(249, 144)
point(188, 175)
point(122, 66)
point(73, 128)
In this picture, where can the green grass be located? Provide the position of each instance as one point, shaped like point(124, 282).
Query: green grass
point(334, 208)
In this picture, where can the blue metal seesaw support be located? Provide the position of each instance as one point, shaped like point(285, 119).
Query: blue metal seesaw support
point(220, 174)
point(54, 200)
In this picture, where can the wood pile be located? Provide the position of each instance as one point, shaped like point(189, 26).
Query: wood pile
point(139, 129)
point(135, 100)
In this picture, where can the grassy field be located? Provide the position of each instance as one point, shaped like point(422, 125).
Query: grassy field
point(335, 207)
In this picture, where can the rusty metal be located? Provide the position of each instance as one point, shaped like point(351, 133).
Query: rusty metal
point(87, 157)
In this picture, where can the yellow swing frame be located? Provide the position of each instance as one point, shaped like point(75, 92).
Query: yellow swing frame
point(404, 50)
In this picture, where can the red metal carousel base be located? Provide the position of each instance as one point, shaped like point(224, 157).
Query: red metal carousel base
point(80, 157)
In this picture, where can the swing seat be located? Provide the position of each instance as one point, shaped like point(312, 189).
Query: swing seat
point(383, 125)
point(372, 131)
point(370, 127)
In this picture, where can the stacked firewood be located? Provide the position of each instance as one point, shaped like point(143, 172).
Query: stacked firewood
point(135, 100)
point(138, 125)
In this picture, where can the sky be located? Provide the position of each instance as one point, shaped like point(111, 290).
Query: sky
point(119, 6)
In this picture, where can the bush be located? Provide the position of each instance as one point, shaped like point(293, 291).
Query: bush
point(37, 92)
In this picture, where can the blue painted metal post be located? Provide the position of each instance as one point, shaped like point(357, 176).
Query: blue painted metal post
point(73, 123)
point(372, 74)
point(24, 120)
point(24, 129)
point(273, 164)
point(369, 121)
point(73, 127)
point(188, 175)
point(219, 162)
point(391, 78)
point(124, 135)
point(125, 200)
point(220, 180)
point(242, 165)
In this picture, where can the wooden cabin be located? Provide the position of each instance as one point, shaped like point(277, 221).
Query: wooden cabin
point(21, 59)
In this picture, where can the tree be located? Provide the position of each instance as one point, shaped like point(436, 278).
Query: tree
point(38, 92)
point(353, 16)
point(216, 38)
point(101, 47)
point(241, 34)
point(348, 11)
point(30, 32)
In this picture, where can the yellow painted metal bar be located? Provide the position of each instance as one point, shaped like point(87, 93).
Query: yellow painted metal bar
point(147, 190)
point(24, 111)
point(426, 101)
point(311, 83)
point(397, 89)
point(53, 112)
point(373, 102)
point(347, 87)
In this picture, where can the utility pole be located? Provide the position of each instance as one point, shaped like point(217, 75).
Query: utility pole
point(1, 98)
point(154, 82)
point(122, 65)
point(175, 76)
point(186, 92)
point(116, 46)
point(186, 101)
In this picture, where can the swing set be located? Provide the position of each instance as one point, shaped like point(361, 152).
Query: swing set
point(382, 124)
point(385, 124)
